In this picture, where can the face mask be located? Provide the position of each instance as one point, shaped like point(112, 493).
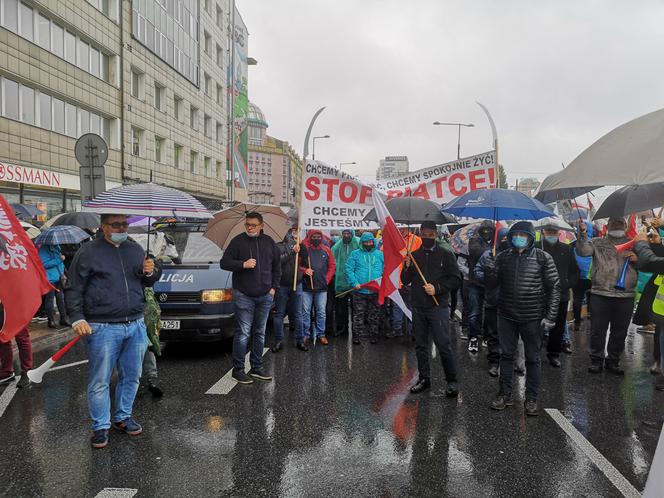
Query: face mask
point(315, 242)
point(119, 238)
point(368, 247)
point(255, 234)
point(335, 239)
point(520, 241)
point(347, 239)
point(486, 235)
point(428, 243)
point(617, 234)
point(551, 239)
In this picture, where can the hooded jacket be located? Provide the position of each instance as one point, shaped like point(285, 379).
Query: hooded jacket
point(527, 281)
point(364, 266)
point(341, 252)
point(651, 259)
point(606, 266)
point(476, 247)
point(287, 259)
point(254, 282)
point(320, 260)
point(53, 264)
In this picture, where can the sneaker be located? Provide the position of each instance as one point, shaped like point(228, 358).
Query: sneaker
point(7, 378)
point(452, 390)
point(154, 389)
point(554, 362)
point(302, 346)
point(531, 408)
point(493, 370)
point(99, 438)
point(242, 378)
point(420, 386)
point(128, 426)
point(473, 345)
point(567, 348)
point(277, 347)
point(501, 402)
point(24, 381)
point(463, 335)
point(259, 373)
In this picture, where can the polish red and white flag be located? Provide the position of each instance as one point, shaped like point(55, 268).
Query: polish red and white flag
point(22, 276)
point(394, 252)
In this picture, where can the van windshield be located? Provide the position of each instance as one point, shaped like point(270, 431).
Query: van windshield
point(181, 246)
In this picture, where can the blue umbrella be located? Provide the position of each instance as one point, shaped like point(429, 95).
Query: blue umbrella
point(497, 204)
point(62, 234)
point(27, 211)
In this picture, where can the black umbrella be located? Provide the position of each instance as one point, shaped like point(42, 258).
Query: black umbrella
point(411, 210)
point(86, 221)
point(632, 199)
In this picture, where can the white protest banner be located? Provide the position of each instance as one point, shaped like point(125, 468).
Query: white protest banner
point(334, 200)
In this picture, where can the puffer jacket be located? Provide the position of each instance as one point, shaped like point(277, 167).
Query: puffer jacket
point(341, 252)
point(364, 266)
point(53, 264)
point(528, 284)
point(607, 265)
point(476, 247)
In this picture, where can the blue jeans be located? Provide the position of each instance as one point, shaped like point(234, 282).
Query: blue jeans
point(113, 346)
point(318, 300)
point(250, 320)
point(476, 308)
point(398, 314)
point(288, 301)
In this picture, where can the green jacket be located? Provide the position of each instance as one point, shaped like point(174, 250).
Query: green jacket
point(341, 252)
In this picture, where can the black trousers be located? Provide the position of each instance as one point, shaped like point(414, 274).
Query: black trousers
point(491, 330)
point(531, 333)
point(582, 289)
point(341, 307)
point(609, 311)
point(555, 343)
point(329, 309)
point(433, 324)
point(366, 316)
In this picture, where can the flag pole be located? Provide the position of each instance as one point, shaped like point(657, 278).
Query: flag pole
point(422, 276)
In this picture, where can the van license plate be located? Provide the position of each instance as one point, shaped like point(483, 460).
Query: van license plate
point(170, 324)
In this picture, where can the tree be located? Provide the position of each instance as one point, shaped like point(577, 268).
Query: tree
point(502, 177)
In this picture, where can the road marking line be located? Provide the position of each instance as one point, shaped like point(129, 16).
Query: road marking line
point(612, 474)
point(226, 383)
point(7, 396)
point(116, 493)
point(76, 363)
point(458, 314)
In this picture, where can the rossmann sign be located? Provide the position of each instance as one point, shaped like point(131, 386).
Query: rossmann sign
point(35, 176)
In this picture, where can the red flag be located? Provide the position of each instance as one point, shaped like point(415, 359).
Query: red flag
point(631, 231)
point(372, 285)
point(394, 252)
point(22, 277)
point(590, 205)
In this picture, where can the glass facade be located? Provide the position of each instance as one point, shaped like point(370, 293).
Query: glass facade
point(169, 29)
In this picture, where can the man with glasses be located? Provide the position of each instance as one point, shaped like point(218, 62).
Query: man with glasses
point(255, 261)
point(105, 302)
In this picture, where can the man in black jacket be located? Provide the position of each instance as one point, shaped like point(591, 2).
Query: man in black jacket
point(253, 257)
point(105, 301)
point(477, 245)
point(568, 273)
point(528, 301)
point(287, 299)
point(431, 313)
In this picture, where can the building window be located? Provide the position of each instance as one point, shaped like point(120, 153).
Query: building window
point(137, 89)
point(70, 120)
point(220, 18)
point(177, 155)
point(218, 171)
point(44, 32)
point(107, 7)
point(45, 111)
point(208, 165)
point(193, 117)
point(208, 42)
point(206, 83)
point(83, 56)
point(26, 22)
point(70, 48)
point(192, 161)
point(27, 105)
point(10, 15)
point(220, 94)
point(159, 97)
point(207, 126)
point(58, 41)
point(58, 116)
point(10, 99)
point(136, 139)
point(83, 122)
point(178, 104)
point(95, 64)
point(95, 124)
point(220, 56)
point(220, 133)
point(158, 147)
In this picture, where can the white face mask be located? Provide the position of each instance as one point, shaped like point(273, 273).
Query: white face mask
point(254, 234)
point(617, 234)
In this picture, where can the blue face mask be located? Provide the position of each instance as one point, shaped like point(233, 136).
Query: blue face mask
point(520, 241)
point(551, 239)
point(119, 238)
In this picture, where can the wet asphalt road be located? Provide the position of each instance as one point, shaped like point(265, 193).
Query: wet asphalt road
point(337, 421)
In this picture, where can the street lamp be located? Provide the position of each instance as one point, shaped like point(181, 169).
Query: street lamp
point(344, 164)
point(459, 125)
point(313, 150)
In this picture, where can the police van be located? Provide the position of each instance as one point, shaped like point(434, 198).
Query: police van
point(195, 295)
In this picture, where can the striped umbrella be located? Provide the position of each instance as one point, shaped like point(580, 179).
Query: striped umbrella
point(62, 234)
point(147, 199)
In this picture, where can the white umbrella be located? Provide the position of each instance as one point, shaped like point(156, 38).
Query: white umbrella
point(629, 155)
point(32, 231)
point(553, 222)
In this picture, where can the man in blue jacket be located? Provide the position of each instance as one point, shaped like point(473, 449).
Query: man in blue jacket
point(364, 265)
point(105, 302)
point(255, 261)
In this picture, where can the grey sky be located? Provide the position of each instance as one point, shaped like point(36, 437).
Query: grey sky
point(555, 76)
